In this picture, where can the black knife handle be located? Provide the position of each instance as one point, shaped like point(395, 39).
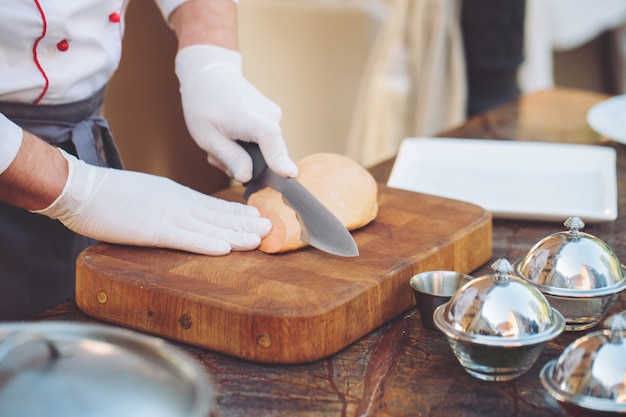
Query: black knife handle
point(258, 162)
point(258, 167)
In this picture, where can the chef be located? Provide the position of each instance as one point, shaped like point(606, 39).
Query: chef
point(61, 183)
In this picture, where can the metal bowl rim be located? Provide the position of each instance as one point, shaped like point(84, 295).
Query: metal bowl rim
point(465, 276)
point(583, 401)
point(572, 293)
point(557, 327)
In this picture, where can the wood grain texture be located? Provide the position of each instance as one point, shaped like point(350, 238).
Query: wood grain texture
point(289, 308)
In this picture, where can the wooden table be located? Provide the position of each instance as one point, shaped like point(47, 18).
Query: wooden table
point(403, 369)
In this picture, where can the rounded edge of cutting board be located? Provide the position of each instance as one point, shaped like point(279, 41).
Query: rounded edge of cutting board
point(139, 302)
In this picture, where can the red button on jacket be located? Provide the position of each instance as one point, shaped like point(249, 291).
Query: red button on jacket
point(63, 45)
point(114, 17)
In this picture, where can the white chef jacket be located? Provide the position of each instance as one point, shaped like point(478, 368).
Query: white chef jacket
point(57, 51)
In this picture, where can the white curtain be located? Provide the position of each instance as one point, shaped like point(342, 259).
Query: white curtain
point(414, 83)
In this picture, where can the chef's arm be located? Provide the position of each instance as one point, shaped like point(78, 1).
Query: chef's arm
point(219, 104)
point(212, 22)
point(119, 206)
point(32, 172)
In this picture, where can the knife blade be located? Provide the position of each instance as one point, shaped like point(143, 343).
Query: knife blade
point(320, 228)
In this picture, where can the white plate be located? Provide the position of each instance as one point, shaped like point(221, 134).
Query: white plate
point(512, 179)
point(608, 118)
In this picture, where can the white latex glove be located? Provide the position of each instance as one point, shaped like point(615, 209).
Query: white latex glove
point(134, 208)
point(221, 106)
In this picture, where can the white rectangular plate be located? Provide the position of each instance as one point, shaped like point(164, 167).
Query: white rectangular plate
point(512, 179)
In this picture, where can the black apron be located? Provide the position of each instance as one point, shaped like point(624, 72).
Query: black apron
point(37, 254)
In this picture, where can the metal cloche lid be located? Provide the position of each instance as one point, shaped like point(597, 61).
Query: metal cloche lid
point(72, 369)
point(591, 371)
point(572, 260)
point(500, 305)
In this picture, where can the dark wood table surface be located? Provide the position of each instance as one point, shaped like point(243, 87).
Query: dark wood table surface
point(401, 368)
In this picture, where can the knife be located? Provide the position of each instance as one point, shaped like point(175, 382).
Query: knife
point(320, 227)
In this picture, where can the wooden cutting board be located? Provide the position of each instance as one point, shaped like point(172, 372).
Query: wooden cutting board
point(288, 308)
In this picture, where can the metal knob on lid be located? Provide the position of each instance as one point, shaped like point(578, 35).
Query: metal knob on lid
point(498, 324)
point(579, 274)
point(590, 375)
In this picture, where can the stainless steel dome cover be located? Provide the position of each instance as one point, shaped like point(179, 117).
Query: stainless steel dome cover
point(76, 369)
point(500, 308)
point(572, 263)
point(591, 371)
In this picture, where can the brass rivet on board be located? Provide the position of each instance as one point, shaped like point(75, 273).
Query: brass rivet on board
point(185, 321)
point(102, 297)
point(264, 341)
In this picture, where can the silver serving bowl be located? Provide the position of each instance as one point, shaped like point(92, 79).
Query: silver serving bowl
point(589, 378)
point(578, 273)
point(497, 325)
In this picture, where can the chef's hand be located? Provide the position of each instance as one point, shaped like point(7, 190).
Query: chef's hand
point(221, 106)
point(139, 209)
